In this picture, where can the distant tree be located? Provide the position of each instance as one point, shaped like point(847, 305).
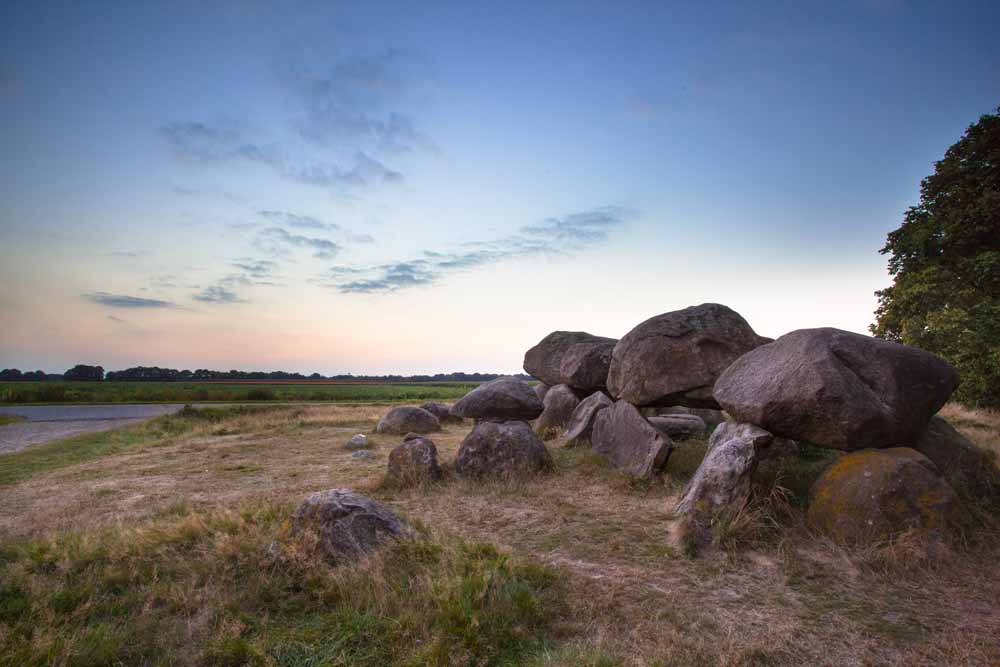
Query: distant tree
point(945, 260)
point(10, 375)
point(84, 373)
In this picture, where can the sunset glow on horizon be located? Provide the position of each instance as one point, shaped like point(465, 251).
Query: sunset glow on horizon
point(372, 189)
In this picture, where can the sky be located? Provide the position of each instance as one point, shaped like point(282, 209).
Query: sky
point(419, 188)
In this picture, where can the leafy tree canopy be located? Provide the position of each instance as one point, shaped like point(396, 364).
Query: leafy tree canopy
point(945, 260)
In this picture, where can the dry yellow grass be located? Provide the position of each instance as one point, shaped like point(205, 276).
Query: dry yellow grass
point(783, 597)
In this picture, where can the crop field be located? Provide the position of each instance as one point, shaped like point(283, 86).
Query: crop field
point(231, 391)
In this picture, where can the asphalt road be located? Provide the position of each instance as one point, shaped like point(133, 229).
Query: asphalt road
point(52, 422)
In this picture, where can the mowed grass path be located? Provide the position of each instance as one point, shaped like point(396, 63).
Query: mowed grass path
point(152, 548)
point(196, 392)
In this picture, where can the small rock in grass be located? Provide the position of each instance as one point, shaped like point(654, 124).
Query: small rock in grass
point(359, 441)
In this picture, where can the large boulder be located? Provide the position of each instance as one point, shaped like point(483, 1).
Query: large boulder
point(560, 402)
point(872, 495)
point(346, 525)
point(680, 427)
point(413, 463)
point(540, 390)
point(407, 418)
point(581, 422)
point(675, 358)
point(442, 411)
point(502, 399)
point(962, 463)
point(837, 389)
point(576, 358)
point(722, 481)
point(502, 449)
point(630, 443)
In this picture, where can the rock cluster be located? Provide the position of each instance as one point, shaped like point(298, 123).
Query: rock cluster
point(667, 379)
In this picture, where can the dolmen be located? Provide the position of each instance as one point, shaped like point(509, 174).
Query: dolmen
point(671, 377)
point(501, 444)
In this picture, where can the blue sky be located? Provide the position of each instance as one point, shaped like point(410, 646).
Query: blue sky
point(380, 188)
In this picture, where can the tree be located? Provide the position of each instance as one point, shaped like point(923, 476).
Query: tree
point(945, 260)
point(81, 372)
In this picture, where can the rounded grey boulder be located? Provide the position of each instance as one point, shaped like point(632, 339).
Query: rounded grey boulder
point(414, 462)
point(502, 449)
point(503, 398)
point(576, 358)
point(406, 418)
point(837, 389)
point(675, 358)
point(560, 402)
point(348, 525)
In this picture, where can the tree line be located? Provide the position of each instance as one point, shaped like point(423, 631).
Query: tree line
point(87, 373)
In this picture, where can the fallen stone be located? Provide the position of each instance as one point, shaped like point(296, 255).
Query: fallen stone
point(363, 454)
point(872, 495)
point(581, 423)
point(506, 450)
point(576, 358)
point(679, 427)
point(712, 418)
point(629, 442)
point(837, 389)
point(413, 463)
point(408, 418)
point(675, 358)
point(560, 402)
point(348, 526)
point(502, 399)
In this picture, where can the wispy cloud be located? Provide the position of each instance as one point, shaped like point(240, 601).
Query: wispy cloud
point(208, 194)
point(217, 294)
point(554, 236)
point(125, 301)
point(357, 102)
point(309, 222)
point(277, 241)
point(201, 142)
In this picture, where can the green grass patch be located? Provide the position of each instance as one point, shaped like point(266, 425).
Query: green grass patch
point(201, 589)
point(10, 419)
point(22, 465)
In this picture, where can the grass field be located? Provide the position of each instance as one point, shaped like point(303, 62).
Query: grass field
point(188, 392)
point(149, 546)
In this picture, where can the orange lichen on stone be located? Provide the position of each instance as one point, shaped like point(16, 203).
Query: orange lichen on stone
point(873, 494)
